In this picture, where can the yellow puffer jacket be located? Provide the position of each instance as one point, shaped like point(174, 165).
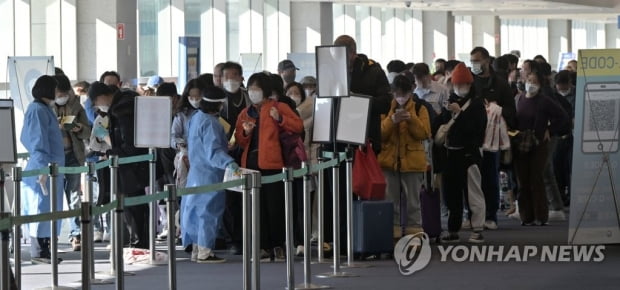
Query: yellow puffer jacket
point(405, 140)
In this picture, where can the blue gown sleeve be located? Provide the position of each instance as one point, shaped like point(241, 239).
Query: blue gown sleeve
point(216, 147)
point(35, 131)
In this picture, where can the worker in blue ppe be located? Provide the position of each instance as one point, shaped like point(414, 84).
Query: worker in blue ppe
point(201, 214)
point(42, 138)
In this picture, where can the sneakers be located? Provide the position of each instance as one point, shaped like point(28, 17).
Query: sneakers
point(106, 237)
point(476, 238)
point(41, 260)
point(98, 237)
point(163, 235)
point(466, 224)
point(451, 238)
point(300, 251)
point(76, 244)
point(211, 259)
point(527, 224)
point(265, 256)
point(491, 225)
point(194, 255)
point(557, 215)
point(279, 254)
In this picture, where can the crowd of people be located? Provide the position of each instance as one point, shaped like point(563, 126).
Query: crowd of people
point(454, 130)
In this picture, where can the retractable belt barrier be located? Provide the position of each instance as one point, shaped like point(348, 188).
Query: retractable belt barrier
point(8, 223)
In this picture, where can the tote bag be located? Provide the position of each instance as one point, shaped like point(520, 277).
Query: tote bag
point(368, 180)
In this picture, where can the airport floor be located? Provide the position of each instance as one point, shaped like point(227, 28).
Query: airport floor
point(383, 274)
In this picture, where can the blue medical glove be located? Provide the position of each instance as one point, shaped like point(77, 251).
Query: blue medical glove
point(233, 166)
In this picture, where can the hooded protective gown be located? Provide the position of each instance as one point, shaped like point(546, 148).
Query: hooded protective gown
point(208, 156)
point(42, 138)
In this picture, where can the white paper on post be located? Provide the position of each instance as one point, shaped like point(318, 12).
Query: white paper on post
point(353, 119)
point(8, 150)
point(231, 175)
point(152, 122)
point(322, 127)
point(332, 71)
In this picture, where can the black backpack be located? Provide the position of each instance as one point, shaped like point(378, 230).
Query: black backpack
point(432, 115)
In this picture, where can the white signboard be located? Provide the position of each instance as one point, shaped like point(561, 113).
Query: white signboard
point(332, 72)
point(8, 152)
point(353, 119)
point(322, 127)
point(152, 122)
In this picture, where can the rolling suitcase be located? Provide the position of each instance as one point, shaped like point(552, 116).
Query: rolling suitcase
point(372, 227)
point(431, 212)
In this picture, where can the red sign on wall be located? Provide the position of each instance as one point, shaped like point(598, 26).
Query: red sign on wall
point(120, 31)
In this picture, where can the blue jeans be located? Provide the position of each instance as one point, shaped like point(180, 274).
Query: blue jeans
point(73, 193)
point(490, 183)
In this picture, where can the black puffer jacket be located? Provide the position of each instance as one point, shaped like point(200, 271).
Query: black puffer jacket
point(134, 177)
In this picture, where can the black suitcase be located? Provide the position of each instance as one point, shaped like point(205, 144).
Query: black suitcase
point(372, 227)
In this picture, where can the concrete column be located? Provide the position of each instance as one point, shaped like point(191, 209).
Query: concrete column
point(127, 49)
point(213, 38)
point(612, 35)
point(327, 23)
point(438, 36)
point(486, 33)
point(68, 37)
point(345, 21)
point(46, 32)
point(306, 26)
point(277, 35)
point(7, 29)
point(414, 35)
point(559, 39)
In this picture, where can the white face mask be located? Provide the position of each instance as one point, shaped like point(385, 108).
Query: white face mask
point(194, 103)
point(61, 101)
point(461, 92)
point(104, 108)
point(564, 93)
point(256, 96)
point(476, 68)
point(402, 100)
point(309, 93)
point(531, 90)
point(232, 86)
point(297, 100)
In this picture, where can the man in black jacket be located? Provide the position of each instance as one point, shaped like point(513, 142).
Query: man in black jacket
point(132, 178)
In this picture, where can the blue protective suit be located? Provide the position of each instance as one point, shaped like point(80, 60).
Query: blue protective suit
point(42, 138)
point(201, 214)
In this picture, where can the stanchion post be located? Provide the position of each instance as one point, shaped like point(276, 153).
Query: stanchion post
point(86, 238)
point(245, 208)
point(118, 224)
point(172, 266)
point(54, 233)
point(256, 185)
point(5, 266)
point(288, 213)
point(153, 205)
point(336, 225)
point(320, 210)
point(307, 232)
point(349, 169)
point(17, 230)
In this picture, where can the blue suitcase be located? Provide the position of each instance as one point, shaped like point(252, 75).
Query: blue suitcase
point(372, 227)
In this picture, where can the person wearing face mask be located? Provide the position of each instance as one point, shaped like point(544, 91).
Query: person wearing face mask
point(288, 71)
point(545, 117)
point(563, 156)
point(258, 133)
point(463, 141)
point(402, 156)
point(74, 135)
point(132, 178)
point(42, 138)
point(309, 83)
point(236, 97)
point(185, 109)
point(208, 155)
point(491, 88)
point(394, 68)
point(427, 89)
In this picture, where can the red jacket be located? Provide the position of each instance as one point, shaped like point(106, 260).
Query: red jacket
point(269, 149)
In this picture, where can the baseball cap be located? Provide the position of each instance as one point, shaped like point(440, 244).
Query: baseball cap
point(286, 65)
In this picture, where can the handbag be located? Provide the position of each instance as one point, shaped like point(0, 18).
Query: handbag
point(293, 149)
point(368, 179)
point(442, 132)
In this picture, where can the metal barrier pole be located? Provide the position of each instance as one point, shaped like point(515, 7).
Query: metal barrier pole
point(349, 164)
point(17, 230)
point(288, 217)
point(336, 227)
point(153, 207)
point(118, 223)
point(89, 246)
point(5, 266)
point(86, 240)
point(172, 265)
point(320, 211)
point(256, 185)
point(245, 208)
point(307, 232)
